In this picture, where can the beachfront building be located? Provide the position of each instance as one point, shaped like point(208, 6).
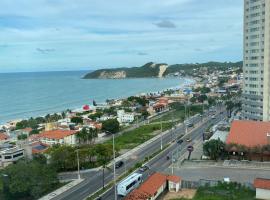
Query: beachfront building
point(67, 137)
point(256, 65)
point(10, 155)
point(262, 188)
point(124, 117)
point(154, 186)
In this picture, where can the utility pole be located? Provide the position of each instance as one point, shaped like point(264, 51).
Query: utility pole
point(172, 162)
point(114, 178)
point(78, 162)
point(161, 142)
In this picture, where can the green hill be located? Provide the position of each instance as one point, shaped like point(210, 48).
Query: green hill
point(158, 70)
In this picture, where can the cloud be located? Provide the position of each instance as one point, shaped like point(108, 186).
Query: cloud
point(165, 24)
point(45, 51)
point(117, 33)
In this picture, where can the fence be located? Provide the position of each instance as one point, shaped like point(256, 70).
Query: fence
point(208, 183)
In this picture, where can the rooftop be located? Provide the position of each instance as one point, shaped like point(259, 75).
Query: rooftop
point(151, 186)
point(248, 133)
point(57, 134)
point(262, 183)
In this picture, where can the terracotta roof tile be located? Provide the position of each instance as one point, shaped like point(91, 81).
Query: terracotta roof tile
point(3, 136)
point(249, 133)
point(151, 186)
point(262, 183)
point(57, 134)
point(175, 179)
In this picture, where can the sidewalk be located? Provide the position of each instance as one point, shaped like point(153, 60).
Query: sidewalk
point(61, 190)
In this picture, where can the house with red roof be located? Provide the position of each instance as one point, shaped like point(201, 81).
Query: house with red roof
point(154, 186)
point(262, 188)
point(3, 137)
point(58, 136)
point(249, 140)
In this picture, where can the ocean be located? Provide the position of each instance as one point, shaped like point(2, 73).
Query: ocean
point(32, 94)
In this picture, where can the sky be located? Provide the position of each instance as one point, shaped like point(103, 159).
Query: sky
point(55, 35)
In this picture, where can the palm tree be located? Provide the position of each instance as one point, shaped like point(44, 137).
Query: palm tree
point(86, 135)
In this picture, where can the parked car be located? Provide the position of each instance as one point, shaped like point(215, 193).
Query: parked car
point(180, 141)
point(144, 168)
point(119, 164)
point(190, 125)
point(188, 139)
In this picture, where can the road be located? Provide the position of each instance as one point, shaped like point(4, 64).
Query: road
point(93, 179)
point(218, 173)
point(160, 163)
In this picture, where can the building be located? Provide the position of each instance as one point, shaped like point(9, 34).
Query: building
point(124, 117)
point(262, 188)
point(250, 139)
point(67, 137)
point(256, 91)
point(3, 138)
point(155, 185)
point(10, 155)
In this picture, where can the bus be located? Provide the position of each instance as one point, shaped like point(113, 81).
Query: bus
point(128, 184)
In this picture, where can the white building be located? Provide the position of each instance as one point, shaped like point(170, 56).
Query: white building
point(10, 155)
point(262, 188)
point(67, 137)
point(256, 66)
point(124, 117)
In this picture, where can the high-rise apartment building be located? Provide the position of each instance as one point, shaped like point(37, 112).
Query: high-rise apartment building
point(256, 60)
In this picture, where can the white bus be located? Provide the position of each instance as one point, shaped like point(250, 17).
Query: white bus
point(128, 184)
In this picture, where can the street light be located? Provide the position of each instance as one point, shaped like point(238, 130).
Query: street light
point(114, 177)
point(78, 163)
point(161, 142)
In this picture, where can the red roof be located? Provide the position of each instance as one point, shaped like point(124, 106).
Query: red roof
point(249, 133)
point(262, 183)
point(151, 186)
point(57, 134)
point(3, 136)
point(175, 179)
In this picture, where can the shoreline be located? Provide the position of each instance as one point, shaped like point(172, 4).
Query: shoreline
point(188, 81)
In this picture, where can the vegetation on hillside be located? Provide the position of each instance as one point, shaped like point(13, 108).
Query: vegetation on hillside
point(148, 71)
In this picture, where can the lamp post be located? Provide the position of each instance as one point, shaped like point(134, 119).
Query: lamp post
point(114, 178)
point(78, 163)
point(161, 139)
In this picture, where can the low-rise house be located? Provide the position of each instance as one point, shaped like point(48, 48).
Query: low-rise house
point(262, 188)
point(52, 137)
point(155, 185)
point(250, 140)
point(10, 155)
point(124, 117)
point(3, 138)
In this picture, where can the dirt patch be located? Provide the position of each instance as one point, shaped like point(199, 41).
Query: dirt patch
point(184, 193)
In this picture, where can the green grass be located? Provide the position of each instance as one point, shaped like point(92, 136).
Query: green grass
point(178, 115)
point(232, 191)
point(139, 135)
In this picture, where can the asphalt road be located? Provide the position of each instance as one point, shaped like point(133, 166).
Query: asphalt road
point(161, 163)
point(218, 173)
point(93, 179)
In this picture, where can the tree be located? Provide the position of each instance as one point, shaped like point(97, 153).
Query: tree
point(145, 114)
point(62, 158)
point(213, 148)
point(111, 125)
point(229, 107)
point(28, 180)
point(104, 155)
point(202, 98)
point(22, 137)
point(86, 135)
point(94, 116)
point(77, 120)
point(193, 99)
